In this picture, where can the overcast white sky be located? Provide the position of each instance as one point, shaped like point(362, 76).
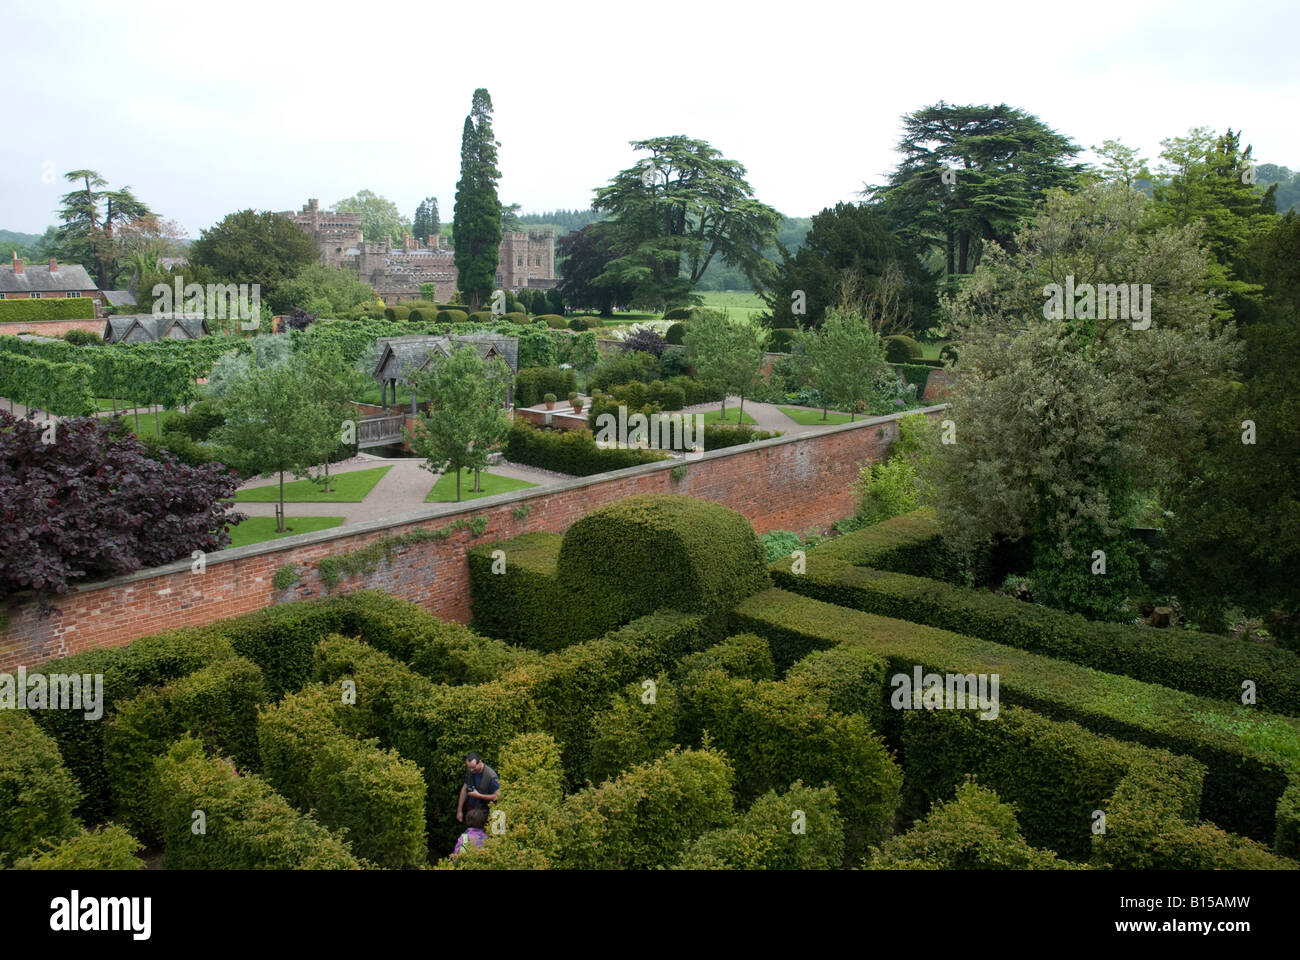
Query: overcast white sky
point(204, 109)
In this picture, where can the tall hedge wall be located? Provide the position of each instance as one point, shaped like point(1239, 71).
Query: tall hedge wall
point(37, 793)
point(31, 311)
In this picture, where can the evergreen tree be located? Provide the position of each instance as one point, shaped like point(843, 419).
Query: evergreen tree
point(476, 226)
point(426, 223)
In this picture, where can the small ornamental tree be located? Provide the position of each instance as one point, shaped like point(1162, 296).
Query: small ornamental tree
point(727, 353)
point(275, 423)
point(334, 385)
point(91, 504)
point(466, 415)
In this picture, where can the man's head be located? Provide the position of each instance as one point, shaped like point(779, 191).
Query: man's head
point(476, 818)
point(474, 762)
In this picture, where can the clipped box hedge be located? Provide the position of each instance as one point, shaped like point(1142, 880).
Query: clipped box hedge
point(1056, 773)
point(108, 847)
point(570, 451)
point(532, 384)
point(635, 728)
point(1248, 753)
point(37, 793)
point(246, 824)
point(347, 784)
point(217, 703)
point(644, 818)
point(775, 732)
point(1151, 824)
point(911, 543)
point(764, 837)
point(1204, 664)
point(529, 604)
point(43, 308)
point(650, 551)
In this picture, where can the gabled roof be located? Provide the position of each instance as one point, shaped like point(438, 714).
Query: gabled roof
point(120, 298)
point(38, 278)
point(116, 329)
point(398, 356)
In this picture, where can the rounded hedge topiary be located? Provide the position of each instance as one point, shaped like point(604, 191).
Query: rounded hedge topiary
point(902, 349)
point(661, 550)
point(481, 316)
point(678, 313)
point(948, 352)
point(554, 321)
point(82, 338)
point(579, 324)
point(676, 334)
point(415, 316)
point(516, 316)
point(452, 316)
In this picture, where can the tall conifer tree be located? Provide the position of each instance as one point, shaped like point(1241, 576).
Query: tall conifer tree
point(476, 226)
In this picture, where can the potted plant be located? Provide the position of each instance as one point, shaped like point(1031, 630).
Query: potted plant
point(575, 401)
point(549, 399)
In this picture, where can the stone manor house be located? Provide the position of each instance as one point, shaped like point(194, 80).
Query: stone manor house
point(525, 259)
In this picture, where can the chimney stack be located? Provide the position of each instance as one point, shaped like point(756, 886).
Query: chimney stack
point(54, 264)
point(18, 264)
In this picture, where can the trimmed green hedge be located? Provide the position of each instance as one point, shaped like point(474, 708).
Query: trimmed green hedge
point(848, 678)
point(451, 316)
point(217, 703)
point(528, 604)
point(109, 847)
point(534, 383)
point(975, 831)
point(347, 784)
point(900, 348)
point(911, 543)
point(59, 388)
point(643, 819)
point(773, 732)
point(1286, 839)
point(570, 451)
point(1248, 753)
point(37, 793)
point(764, 837)
point(745, 656)
point(1204, 664)
point(246, 824)
point(661, 550)
point(1056, 773)
point(1151, 824)
point(33, 311)
point(636, 728)
point(916, 373)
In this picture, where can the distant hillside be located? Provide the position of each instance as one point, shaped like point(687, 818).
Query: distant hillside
point(1288, 184)
point(11, 241)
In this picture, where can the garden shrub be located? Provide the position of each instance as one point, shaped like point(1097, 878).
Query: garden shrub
point(533, 383)
point(911, 543)
point(948, 353)
point(973, 831)
point(917, 374)
point(217, 703)
point(108, 847)
point(679, 313)
point(676, 333)
point(482, 316)
point(662, 550)
point(779, 340)
point(763, 837)
point(779, 543)
point(848, 678)
point(528, 604)
point(579, 324)
point(1151, 824)
point(744, 655)
point(772, 732)
point(83, 338)
point(556, 322)
point(717, 436)
point(1200, 663)
point(145, 662)
point(626, 367)
point(571, 688)
point(247, 825)
point(1248, 753)
point(676, 362)
point(516, 316)
point(380, 682)
point(37, 793)
point(902, 349)
point(643, 819)
point(571, 451)
point(695, 391)
point(346, 783)
point(633, 730)
point(1286, 838)
point(452, 316)
point(415, 316)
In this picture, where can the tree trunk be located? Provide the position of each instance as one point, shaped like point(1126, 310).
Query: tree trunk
point(964, 252)
point(477, 488)
point(279, 523)
point(458, 484)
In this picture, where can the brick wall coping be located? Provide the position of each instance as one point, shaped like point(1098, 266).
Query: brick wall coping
point(231, 555)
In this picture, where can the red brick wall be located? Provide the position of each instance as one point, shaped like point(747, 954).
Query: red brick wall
point(52, 328)
point(782, 484)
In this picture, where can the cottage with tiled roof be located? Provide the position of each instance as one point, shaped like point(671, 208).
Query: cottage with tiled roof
point(55, 281)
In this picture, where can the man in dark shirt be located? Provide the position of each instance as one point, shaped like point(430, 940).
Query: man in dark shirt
point(481, 786)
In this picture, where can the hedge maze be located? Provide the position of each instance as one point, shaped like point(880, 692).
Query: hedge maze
point(654, 695)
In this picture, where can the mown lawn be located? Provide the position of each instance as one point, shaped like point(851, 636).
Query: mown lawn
point(741, 303)
point(351, 487)
point(444, 491)
point(811, 416)
point(714, 415)
point(259, 529)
